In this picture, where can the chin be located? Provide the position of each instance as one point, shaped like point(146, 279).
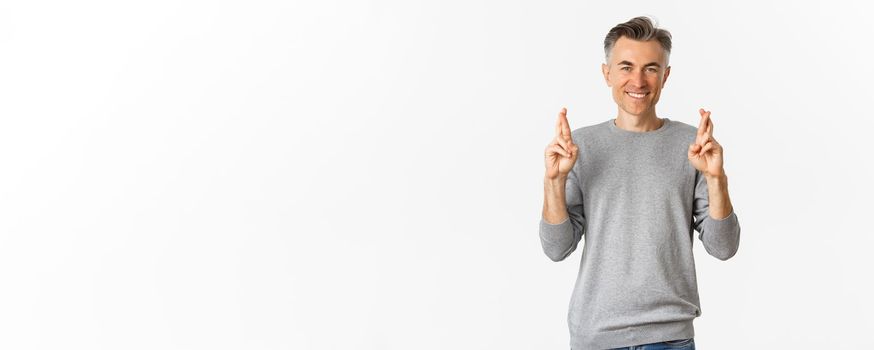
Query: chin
point(635, 111)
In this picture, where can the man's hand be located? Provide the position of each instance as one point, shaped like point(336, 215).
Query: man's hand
point(706, 154)
point(561, 153)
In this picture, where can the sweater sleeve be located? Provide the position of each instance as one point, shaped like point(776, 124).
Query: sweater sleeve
point(721, 237)
point(561, 239)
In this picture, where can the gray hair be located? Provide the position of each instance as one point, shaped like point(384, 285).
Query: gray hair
point(640, 29)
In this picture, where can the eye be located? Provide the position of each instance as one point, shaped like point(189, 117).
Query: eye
point(652, 70)
point(626, 68)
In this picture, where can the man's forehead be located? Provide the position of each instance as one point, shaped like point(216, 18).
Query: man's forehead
point(637, 52)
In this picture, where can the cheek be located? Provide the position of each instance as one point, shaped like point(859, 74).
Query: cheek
point(619, 83)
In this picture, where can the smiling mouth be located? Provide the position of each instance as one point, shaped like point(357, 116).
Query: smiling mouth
point(638, 96)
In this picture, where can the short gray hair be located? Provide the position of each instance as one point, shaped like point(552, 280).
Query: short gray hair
point(640, 29)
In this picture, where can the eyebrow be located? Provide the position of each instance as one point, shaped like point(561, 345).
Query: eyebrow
point(645, 65)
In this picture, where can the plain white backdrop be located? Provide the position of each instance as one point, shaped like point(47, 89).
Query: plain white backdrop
point(368, 174)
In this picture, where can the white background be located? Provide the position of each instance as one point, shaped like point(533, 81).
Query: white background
point(368, 175)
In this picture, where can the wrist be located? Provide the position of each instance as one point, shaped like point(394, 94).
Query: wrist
point(716, 178)
point(555, 181)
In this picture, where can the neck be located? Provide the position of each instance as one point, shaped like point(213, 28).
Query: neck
point(638, 123)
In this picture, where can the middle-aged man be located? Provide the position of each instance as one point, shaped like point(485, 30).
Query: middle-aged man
point(636, 186)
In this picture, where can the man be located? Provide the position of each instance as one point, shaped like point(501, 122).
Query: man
point(636, 186)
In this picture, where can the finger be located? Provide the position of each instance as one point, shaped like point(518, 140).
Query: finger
point(706, 148)
point(566, 127)
point(707, 136)
point(717, 148)
point(706, 116)
point(701, 123)
point(709, 127)
point(554, 148)
point(574, 150)
point(558, 125)
point(564, 141)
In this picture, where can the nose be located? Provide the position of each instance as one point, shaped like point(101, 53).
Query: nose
point(637, 79)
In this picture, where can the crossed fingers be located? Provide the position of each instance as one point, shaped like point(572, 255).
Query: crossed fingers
point(563, 134)
point(704, 138)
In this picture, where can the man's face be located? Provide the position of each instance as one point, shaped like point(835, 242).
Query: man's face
point(636, 72)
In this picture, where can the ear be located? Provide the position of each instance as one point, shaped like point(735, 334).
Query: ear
point(605, 69)
point(667, 73)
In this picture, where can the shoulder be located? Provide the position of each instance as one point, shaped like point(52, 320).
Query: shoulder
point(590, 131)
point(683, 129)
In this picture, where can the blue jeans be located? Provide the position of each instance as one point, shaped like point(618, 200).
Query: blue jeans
point(684, 344)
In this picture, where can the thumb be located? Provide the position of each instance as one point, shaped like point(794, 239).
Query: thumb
point(693, 150)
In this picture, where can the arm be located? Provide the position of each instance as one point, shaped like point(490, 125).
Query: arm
point(714, 215)
point(554, 204)
point(717, 223)
point(717, 196)
point(561, 224)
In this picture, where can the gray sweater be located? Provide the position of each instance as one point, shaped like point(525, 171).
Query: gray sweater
point(636, 199)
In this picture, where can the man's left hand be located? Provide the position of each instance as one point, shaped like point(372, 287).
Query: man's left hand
point(706, 154)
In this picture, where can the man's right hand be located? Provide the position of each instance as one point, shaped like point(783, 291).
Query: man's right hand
point(561, 153)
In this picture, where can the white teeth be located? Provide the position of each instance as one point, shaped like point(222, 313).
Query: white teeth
point(636, 95)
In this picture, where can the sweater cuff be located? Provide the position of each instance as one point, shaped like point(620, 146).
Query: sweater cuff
point(555, 233)
point(730, 215)
point(729, 220)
